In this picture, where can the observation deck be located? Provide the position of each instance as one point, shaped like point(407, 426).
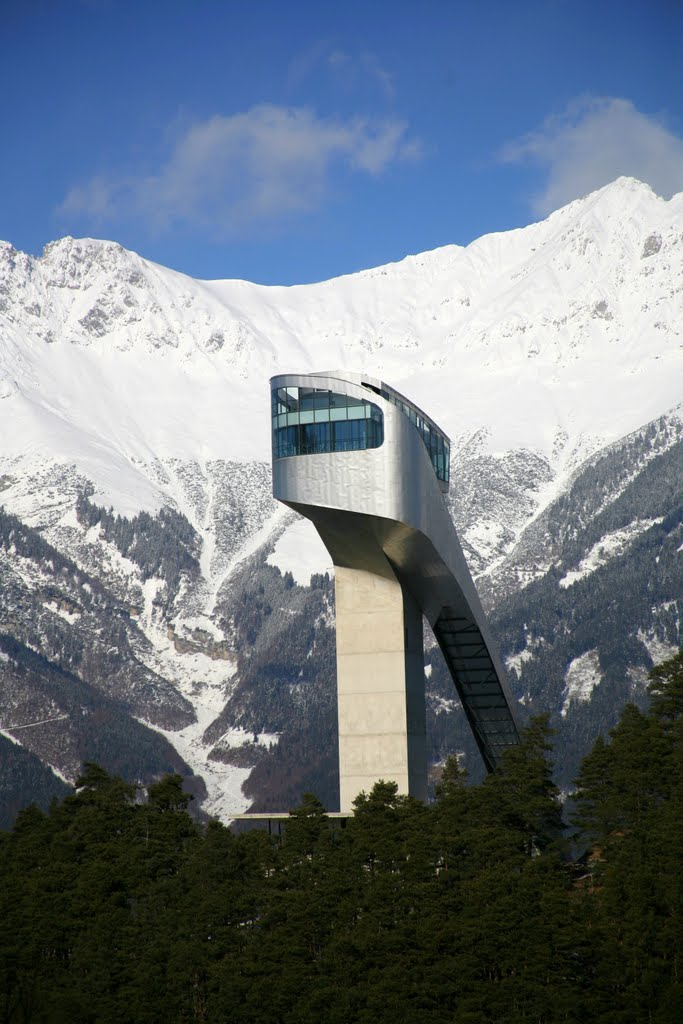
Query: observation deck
point(370, 470)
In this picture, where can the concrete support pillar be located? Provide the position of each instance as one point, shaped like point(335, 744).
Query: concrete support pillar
point(380, 685)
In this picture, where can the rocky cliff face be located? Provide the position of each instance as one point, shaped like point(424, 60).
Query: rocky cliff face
point(157, 609)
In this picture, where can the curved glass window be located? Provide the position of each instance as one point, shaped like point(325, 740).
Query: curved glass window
point(435, 443)
point(308, 421)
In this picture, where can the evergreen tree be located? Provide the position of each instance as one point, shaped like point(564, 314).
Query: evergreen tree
point(116, 907)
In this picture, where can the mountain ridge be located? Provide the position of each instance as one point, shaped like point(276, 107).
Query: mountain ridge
point(541, 351)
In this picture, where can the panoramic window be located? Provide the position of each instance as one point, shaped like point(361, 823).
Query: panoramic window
point(435, 443)
point(308, 421)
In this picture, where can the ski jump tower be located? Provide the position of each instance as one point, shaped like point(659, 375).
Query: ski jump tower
point(370, 470)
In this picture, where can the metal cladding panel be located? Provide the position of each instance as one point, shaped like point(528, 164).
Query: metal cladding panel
point(382, 509)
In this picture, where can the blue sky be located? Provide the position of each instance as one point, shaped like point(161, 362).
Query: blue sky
point(288, 142)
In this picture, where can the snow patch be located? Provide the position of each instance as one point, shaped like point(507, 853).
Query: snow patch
point(63, 613)
point(59, 774)
point(223, 781)
point(207, 684)
point(658, 649)
point(240, 737)
point(205, 625)
point(256, 541)
point(612, 545)
point(486, 537)
point(581, 678)
point(300, 551)
point(515, 661)
point(531, 646)
point(442, 705)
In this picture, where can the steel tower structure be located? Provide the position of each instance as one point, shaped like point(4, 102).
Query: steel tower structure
point(370, 470)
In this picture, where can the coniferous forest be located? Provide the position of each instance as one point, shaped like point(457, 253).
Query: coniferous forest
point(483, 908)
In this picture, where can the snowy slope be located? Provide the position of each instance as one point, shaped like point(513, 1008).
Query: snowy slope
point(559, 338)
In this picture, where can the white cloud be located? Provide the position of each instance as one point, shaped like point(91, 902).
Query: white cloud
point(304, 64)
point(354, 71)
point(594, 141)
point(349, 72)
point(228, 172)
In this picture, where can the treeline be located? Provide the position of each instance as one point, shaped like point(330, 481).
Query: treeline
point(477, 909)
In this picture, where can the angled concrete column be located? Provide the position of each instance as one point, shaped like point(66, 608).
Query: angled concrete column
point(380, 685)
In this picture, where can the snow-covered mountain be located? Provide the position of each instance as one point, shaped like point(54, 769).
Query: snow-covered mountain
point(538, 350)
